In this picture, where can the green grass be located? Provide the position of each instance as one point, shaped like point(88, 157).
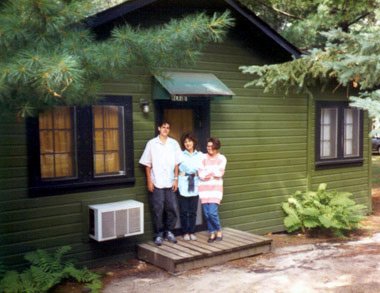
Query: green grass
point(375, 171)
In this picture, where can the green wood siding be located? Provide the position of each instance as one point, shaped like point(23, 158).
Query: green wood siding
point(356, 180)
point(264, 137)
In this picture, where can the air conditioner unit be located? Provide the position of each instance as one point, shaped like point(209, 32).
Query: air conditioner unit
point(116, 220)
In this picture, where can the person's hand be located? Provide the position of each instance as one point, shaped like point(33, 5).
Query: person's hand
point(150, 186)
point(209, 176)
point(175, 185)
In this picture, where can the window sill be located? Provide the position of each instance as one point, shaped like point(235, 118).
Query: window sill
point(332, 164)
point(56, 188)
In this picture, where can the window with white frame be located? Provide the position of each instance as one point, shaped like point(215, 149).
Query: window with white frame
point(351, 133)
point(339, 132)
point(329, 133)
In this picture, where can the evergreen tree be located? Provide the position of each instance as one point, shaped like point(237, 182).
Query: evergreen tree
point(348, 53)
point(301, 21)
point(48, 57)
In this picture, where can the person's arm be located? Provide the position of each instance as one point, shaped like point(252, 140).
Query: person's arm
point(219, 170)
point(146, 160)
point(149, 179)
point(203, 172)
point(175, 183)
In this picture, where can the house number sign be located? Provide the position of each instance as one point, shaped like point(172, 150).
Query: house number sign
point(178, 98)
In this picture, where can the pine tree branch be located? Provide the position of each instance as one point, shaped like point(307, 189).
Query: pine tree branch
point(348, 58)
point(46, 61)
point(278, 11)
point(357, 19)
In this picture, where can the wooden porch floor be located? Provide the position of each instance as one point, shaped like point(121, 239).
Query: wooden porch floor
point(187, 255)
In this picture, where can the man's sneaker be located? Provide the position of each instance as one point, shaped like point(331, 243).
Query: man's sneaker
point(170, 237)
point(158, 240)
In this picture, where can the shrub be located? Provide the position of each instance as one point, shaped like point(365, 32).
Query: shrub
point(45, 272)
point(327, 209)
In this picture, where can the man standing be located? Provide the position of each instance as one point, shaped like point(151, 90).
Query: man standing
point(161, 158)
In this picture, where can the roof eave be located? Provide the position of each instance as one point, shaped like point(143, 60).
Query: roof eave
point(270, 32)
point(129, 6)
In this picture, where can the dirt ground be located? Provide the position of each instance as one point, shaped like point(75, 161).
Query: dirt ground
point(297, 263)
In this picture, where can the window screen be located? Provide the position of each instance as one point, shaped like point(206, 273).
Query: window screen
point(57, 151)
point(108, 140)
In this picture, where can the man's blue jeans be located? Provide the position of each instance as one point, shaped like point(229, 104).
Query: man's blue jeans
point(210, 211)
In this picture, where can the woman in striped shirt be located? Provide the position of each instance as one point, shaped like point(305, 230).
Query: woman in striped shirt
point(210, 187)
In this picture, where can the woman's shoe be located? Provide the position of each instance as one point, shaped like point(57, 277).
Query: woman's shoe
point(186, 237)
point(193, 237)
point(212, 238)
point(219, 236)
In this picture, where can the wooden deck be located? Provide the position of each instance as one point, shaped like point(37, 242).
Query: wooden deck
point(187, 255)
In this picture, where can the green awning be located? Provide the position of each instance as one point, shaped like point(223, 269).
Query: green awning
point(179, 86)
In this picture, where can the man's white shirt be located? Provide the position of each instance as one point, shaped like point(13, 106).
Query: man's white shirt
point(162, 159)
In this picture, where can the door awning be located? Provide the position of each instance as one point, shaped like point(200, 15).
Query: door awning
point(180, 86)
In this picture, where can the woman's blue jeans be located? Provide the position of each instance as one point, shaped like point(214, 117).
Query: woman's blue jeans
point(210, 212)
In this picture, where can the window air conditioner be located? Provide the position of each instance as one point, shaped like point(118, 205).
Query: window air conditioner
point(116, 220)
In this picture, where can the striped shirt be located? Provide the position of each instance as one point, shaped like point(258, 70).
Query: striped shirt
point(211, 173)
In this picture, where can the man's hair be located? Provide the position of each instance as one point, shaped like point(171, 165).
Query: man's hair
point(164, 122)
point(191, 136)
point(215, 142)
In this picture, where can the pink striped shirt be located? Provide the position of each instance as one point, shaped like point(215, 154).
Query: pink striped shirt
point(211, 173)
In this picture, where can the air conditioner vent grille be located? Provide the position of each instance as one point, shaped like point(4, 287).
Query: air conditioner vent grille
point(108, 224)
point(134, 220)
point(121, 223)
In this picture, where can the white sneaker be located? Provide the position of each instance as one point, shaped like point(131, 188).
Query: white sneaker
point(193, 237)
point(186, 237)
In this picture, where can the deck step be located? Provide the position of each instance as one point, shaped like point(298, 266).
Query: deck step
point(188, 255)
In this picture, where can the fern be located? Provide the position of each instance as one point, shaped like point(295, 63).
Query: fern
point(95, 286)
point(45, 272)
point(325, 209)
point(11, 282)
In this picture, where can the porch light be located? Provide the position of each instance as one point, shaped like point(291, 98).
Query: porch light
point(144, 106)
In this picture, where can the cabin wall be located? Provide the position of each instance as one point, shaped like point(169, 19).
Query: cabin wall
point(48, 222)
point(356, 180)
point(264, 137)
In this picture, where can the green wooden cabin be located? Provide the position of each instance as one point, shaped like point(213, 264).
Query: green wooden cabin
point(275, 145)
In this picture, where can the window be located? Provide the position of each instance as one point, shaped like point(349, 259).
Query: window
point(108, 140)
point(81, 147)
point(351, 133)
point(339, 135)
point(57, 143)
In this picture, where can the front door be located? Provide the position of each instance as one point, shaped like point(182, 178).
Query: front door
point(187, 116)
point(181, 120)
point(193, 115)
